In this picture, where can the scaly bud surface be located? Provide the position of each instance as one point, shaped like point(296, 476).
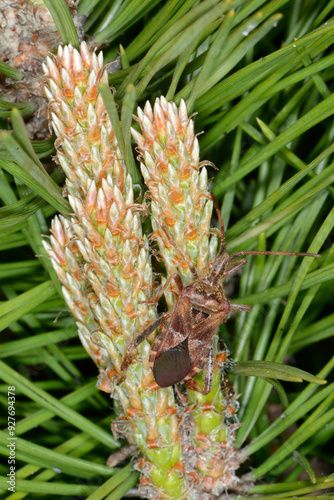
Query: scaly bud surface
point(102, 260)
point(178, 188)
point(181, 207)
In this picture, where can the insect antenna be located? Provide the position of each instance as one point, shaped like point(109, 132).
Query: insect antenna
point(236, 255)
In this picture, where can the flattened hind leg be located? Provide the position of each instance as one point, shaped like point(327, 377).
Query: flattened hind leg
point(138, 340)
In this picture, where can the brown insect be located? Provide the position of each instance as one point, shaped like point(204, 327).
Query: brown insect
point(184, 346)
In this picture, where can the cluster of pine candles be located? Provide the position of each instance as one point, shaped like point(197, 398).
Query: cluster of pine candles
point(184, 445)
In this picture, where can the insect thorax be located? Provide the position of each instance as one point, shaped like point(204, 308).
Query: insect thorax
point(206, 292)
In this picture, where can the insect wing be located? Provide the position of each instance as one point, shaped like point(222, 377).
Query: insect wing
point(172, 365)
point(177, 328)
point(202, 335)
point(172, 359)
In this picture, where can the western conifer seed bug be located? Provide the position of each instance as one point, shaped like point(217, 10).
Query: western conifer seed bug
point(184, 345)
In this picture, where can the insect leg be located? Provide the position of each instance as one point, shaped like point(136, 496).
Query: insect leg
point(179, 285)
point(154, 350)
point(182, 397)
point(207, 375)
point(240, 307)
point(194, 386)
point(138, 340)
point(235, 267)
point(255, 252)
point(190, 383)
